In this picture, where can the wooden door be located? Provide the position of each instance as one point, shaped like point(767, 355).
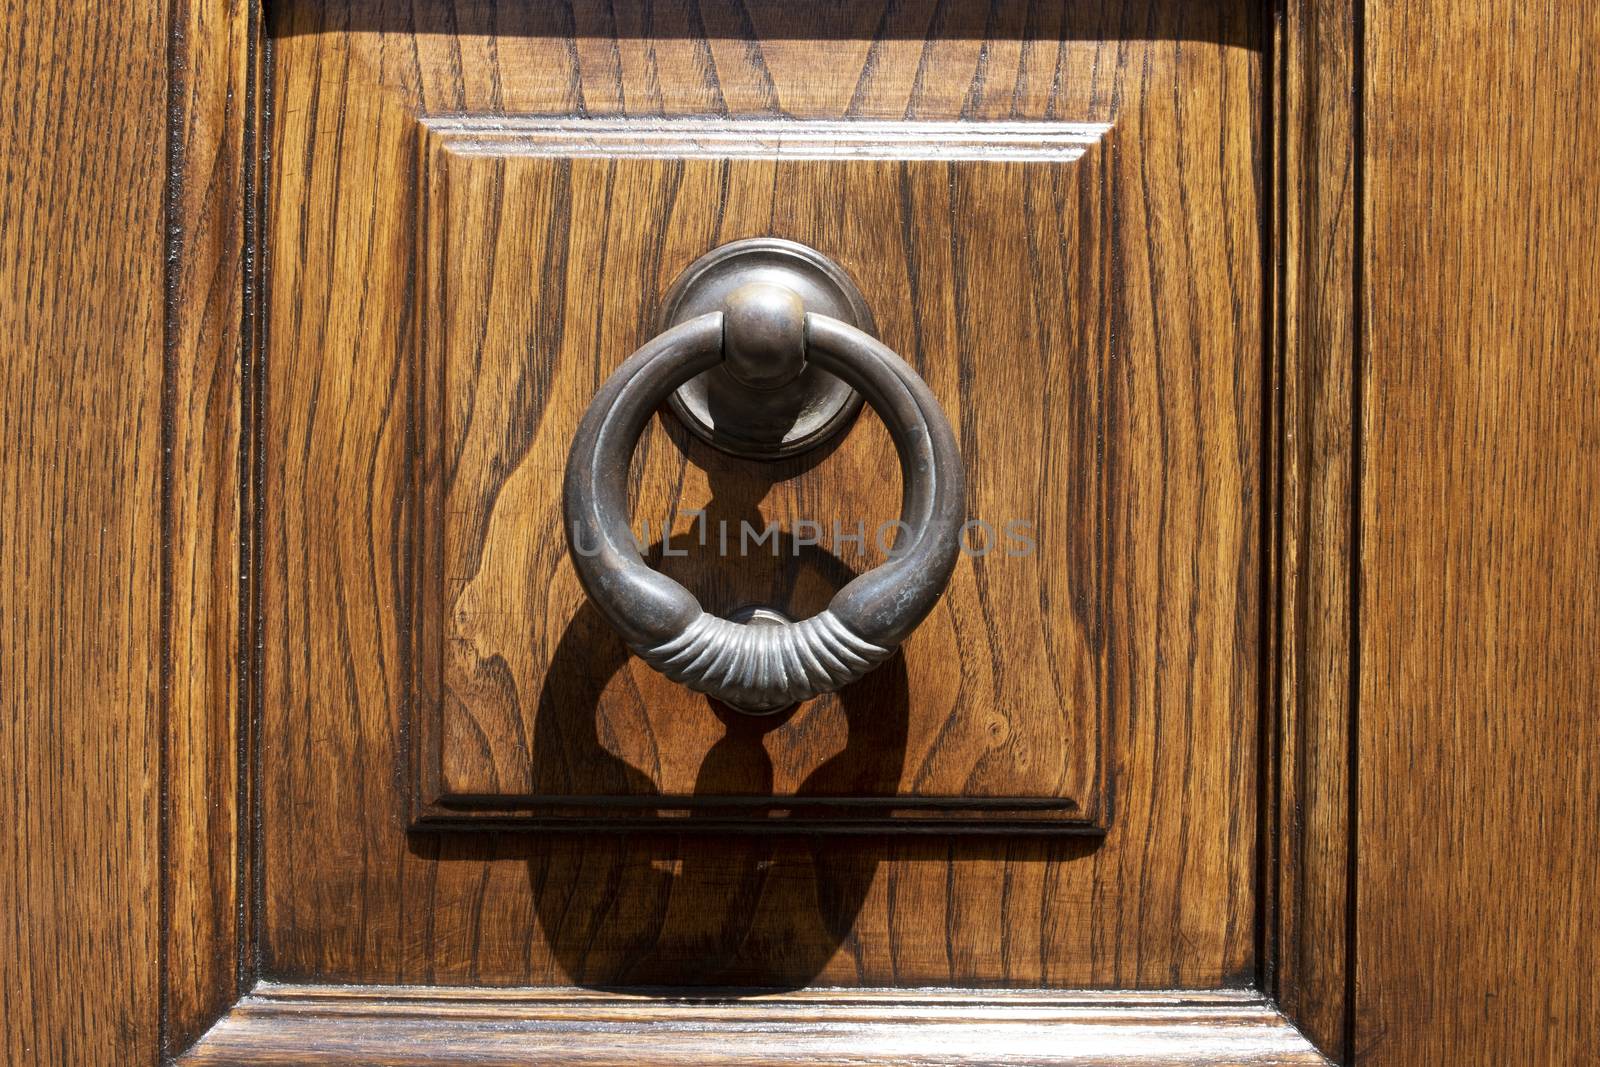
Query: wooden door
point(319, 752)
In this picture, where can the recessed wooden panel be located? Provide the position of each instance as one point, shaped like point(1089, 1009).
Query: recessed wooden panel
point(353, 371)
point(542, 272)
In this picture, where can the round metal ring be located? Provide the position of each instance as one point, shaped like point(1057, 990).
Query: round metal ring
point(763, 666)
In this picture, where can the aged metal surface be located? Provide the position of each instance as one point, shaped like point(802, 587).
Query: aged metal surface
point(763, 666)
point(740, 407)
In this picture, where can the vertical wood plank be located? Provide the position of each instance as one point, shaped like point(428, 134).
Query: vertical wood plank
point(1480, 618)
point(81, 544)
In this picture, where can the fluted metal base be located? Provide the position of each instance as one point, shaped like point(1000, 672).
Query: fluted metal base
point(768, 663)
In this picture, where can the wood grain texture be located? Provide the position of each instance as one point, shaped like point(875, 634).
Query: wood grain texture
point(213, 75)
point(407, 1026)
point(1167, 899)
point(1479, 738)
point(81, 545)
point(916, 60)
point(545, 271)
point(1308, 863)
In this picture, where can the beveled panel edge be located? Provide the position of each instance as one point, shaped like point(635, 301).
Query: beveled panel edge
point(207, 900)
point(416, 1025)
point(732, 138)
point(1306, 929)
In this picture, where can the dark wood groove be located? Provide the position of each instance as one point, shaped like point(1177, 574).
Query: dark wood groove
point(1348, 1049)
point(172, 254)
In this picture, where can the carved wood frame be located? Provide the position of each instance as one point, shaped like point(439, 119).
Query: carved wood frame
point(214, 1006)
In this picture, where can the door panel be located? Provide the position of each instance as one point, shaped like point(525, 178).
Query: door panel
point(543, 269)
point(472, 213)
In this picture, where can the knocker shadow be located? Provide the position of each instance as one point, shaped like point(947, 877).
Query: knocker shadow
point(670, 904)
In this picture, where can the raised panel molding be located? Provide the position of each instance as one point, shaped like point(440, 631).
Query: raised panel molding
point(409, 1027)
point(545, 248)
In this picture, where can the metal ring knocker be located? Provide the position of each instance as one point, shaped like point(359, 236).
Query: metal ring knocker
point(764, 336)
